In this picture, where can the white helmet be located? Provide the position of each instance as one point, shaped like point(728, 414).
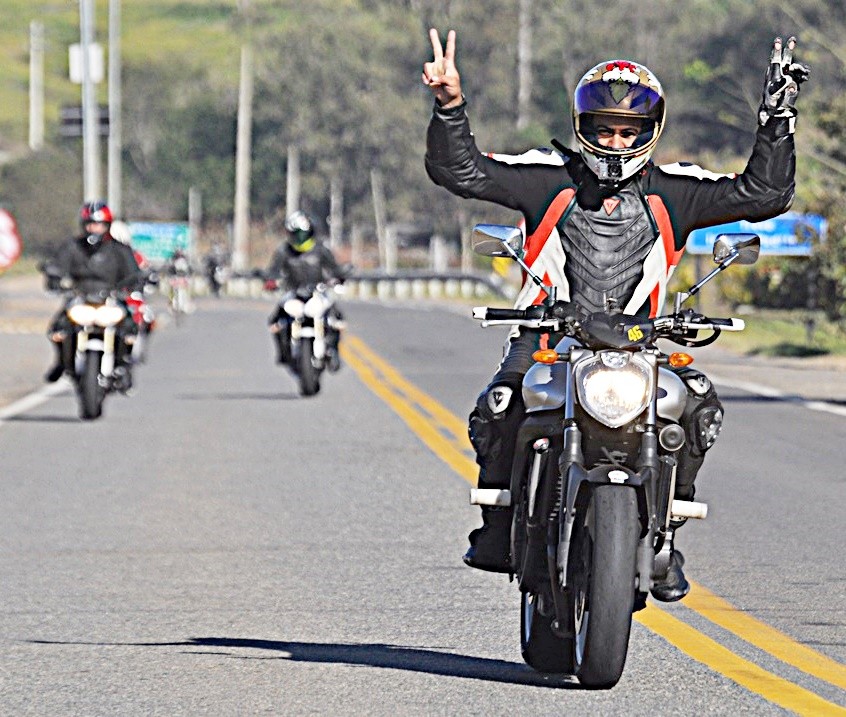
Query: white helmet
point(120, 232)
point(623, 90)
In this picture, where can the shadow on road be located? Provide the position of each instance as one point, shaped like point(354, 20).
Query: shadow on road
point(23, 418)
point(393, 657)
point(239, 397)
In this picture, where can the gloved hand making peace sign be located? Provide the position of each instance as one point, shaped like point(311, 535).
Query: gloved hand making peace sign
point(781, 85)
point(441, 75)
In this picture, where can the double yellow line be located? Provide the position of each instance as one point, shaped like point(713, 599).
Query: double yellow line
point(446, 435)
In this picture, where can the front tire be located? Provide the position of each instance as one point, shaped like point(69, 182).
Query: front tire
point(91, 394)
point(602, 584)
point(308, 374)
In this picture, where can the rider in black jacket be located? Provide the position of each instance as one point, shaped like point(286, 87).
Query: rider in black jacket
point(300, 262)
point(603, 223)
point(91, 263)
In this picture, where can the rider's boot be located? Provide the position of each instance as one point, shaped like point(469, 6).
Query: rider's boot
point(490, 545)
point(283, 344)
point(673, 585)
point(54, 373)
point(333, 356)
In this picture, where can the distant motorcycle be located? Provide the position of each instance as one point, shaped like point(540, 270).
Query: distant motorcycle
point(594, 469)
point(95, 319)
point(145, 320)
point(310, 328)
point(216, 276)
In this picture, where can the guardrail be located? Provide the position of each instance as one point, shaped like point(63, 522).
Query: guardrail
point(377, 285)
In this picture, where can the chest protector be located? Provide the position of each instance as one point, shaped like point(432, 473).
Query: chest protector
point(624, 251)
point(606, 248)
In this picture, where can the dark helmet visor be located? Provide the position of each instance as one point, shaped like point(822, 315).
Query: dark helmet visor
point(619, 98)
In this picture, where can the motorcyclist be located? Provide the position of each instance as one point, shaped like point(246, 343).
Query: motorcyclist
point(142, 312)
point(178, 271)
point(215, 263)
point(603, 223)
point(92, 262)
point(299, 262)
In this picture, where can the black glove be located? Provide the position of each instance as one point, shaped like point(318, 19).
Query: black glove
point(781, 84)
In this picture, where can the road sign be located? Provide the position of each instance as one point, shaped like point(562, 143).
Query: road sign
point(70, 121)
point(790, 234)
point(96, 64)
point(158, 240)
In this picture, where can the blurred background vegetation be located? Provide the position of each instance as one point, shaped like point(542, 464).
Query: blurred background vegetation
point(340, 79)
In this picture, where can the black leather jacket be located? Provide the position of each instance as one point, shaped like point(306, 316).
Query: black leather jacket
point(301, 269)
point(103, 266)
point(659, 207)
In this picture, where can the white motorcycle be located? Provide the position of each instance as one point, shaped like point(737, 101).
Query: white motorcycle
point(310, 326)
point(95, 320)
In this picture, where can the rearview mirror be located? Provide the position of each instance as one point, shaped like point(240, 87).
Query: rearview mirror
point(496, 240)
point(746, 246)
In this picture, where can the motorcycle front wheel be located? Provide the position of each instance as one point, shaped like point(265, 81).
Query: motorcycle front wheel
point(307, 372)
point(601, 582)
point(90, 391)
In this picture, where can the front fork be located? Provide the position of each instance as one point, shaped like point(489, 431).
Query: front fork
point(653, 481)
point(85, 343)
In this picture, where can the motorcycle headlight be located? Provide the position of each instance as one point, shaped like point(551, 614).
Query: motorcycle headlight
point(614, 386)
point(316, 306)
point(82, 314)
point(294, 308)
point(108, 315)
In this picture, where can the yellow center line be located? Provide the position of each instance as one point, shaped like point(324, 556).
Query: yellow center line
point(764, 637)
point(720, 659)
point(448, 451)
point(405, 399)
point(445, 417)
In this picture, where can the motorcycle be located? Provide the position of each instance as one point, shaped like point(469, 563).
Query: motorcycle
point(310, 327)
point(593, 475)
point(95, 320)
point(145, 320)
point(216, 276)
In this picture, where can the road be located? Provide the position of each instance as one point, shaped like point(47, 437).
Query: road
point(216, 544)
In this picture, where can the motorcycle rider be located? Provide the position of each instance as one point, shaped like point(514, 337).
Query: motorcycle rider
point(93, 262)
point(142, 312)
point(299, 262)
point(215, 263)
point(603, 223)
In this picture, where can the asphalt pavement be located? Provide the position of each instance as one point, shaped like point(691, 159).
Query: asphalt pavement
point(26, 309)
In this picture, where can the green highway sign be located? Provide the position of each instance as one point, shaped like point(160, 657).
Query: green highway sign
point(158, 240)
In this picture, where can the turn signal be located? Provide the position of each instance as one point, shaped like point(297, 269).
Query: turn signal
point(545, 356)
point(680, 360)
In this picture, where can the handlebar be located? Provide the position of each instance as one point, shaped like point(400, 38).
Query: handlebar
point(681, 328)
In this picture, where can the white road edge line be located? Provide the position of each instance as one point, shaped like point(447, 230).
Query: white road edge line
point(777, 394)
point(34, 399)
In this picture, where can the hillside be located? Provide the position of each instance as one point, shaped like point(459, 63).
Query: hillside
point(194, 34)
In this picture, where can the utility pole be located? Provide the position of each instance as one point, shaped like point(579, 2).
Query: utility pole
point(36, 85)
point(378, 192)
point(524, 64)
point(90, 111)
point(115, 106)
point(336, 210)
point(292, 182)
point(241, 238)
